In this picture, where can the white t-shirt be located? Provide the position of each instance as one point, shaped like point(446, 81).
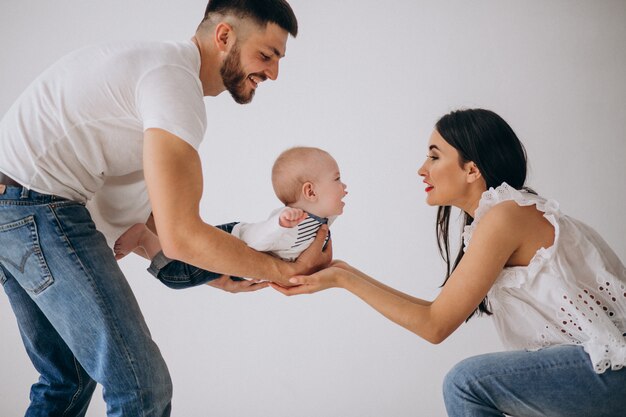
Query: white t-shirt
point(572, 293)
point(120, 203)
point(77, 130)
point(285, 242)
point(83, 119)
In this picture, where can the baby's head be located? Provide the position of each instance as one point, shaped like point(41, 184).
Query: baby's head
point(309, 179)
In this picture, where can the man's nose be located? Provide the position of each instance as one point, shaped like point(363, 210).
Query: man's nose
point(272, 71)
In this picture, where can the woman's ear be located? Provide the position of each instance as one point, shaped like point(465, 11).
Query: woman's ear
point(224, 36)
point(473, 173)
point(308, 191)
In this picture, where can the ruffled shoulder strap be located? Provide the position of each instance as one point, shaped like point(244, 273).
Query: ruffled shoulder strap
point(505, 192)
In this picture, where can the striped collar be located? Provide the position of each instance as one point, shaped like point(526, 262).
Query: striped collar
point(322, 220)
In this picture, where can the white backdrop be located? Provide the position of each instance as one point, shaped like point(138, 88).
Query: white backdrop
point(365, 80)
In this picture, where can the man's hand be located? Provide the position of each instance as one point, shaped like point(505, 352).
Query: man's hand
point(309, 284)
point(321, 280)
point(291, 217)
point(314, 258)
point(226, 284)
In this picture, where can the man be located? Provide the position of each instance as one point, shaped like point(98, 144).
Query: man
point(97, 123)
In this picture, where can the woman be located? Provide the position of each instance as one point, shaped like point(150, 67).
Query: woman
point(556, 290)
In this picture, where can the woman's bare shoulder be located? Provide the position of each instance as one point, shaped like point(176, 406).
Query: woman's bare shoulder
point(524, 225)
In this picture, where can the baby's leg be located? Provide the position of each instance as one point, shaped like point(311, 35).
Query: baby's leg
point(137, 236)
point(179, 275)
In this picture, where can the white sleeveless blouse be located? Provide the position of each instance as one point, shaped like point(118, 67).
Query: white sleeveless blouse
point(572, 293)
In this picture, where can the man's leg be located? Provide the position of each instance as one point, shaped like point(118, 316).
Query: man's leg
point(64, 388)
point(55, 253)
point(556, 382)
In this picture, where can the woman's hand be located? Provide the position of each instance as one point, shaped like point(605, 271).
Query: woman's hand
point(344, 265)
point(226, 284)
point(321, 280)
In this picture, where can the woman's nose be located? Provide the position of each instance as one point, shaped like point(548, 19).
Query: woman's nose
point(421, 171)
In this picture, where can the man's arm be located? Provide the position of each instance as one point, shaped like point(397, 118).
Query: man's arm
point(173, 174)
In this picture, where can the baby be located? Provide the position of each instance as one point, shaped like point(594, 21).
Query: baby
point(305, 179)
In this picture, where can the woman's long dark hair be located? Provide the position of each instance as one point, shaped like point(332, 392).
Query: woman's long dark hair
point(483, 137)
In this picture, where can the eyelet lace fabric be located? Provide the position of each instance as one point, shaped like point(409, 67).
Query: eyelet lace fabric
point(573, 292)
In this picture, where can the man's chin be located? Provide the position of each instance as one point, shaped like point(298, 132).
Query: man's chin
point(242, 98)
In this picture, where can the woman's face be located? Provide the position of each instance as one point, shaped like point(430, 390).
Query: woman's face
point(446, 180)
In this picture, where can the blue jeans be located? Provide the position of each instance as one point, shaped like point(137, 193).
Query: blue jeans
point(557, 382)
point(179, 275)
point(78, 318)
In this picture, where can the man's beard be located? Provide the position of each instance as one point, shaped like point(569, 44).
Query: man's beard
point(234, 78)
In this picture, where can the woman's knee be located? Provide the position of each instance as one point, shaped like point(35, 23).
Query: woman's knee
point(466, 389)
point(460, 376)
point(455, 389)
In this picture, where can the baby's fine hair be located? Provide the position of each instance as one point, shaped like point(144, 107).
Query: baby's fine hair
point(293, 168)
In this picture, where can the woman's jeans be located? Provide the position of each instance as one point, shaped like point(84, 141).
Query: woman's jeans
point(78, 318)
point(552, 382)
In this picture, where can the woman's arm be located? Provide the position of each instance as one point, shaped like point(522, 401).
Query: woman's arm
point(495, 239)
point(350, 268)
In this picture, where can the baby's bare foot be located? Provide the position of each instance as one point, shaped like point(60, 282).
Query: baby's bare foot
point(130, 240)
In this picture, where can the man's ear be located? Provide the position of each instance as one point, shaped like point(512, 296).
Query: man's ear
point(224, 36)
point(308, 191)
point(473, 173)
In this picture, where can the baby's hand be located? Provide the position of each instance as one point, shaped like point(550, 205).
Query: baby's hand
point(291, 217)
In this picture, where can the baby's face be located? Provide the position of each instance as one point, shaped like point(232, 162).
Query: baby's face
point(329, 189)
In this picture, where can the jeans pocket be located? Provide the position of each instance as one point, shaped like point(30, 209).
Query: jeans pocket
point(21, 255)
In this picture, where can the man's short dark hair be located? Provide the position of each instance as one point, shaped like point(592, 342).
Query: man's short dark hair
point(261, 11)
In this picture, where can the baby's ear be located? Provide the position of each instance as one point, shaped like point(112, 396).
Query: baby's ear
point(308, 191)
